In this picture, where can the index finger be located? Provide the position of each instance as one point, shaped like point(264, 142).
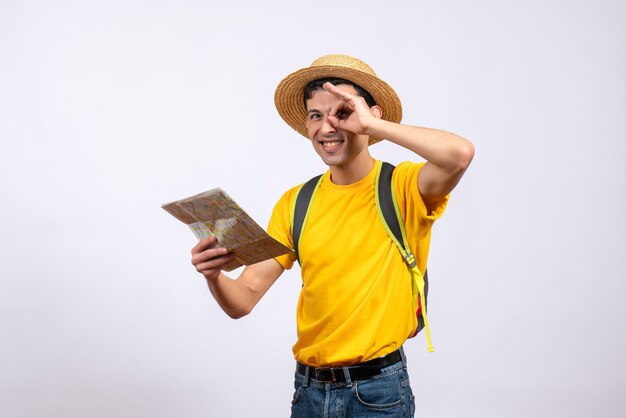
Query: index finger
point(331, 88)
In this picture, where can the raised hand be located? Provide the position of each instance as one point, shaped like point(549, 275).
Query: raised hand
point(351, 113)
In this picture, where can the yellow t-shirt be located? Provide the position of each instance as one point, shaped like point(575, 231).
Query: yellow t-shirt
point(355, 303)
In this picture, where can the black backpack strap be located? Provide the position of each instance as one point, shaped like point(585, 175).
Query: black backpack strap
point(390, 214)
point(385, 203)
point(301, 209)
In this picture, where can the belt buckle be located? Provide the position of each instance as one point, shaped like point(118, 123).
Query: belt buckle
point(320, 378)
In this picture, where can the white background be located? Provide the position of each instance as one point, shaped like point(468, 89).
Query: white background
point(110, 108)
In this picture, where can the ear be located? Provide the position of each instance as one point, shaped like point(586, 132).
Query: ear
point(377, 111)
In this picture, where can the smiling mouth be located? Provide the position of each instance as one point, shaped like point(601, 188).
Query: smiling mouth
point(331, 144)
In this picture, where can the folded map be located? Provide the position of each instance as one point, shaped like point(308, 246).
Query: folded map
point(214, 212)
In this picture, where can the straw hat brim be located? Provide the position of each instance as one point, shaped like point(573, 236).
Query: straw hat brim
point(290, 103)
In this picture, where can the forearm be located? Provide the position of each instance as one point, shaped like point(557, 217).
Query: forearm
point(231, 295)
point(447, 155)
point(446, 150)
point(238, 297)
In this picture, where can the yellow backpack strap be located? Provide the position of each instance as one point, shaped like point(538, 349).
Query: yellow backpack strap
point(300, 211)
point(390, 216)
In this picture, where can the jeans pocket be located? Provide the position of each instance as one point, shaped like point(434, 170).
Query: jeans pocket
point(297, 394)
point(379, 393)
point(299, 387)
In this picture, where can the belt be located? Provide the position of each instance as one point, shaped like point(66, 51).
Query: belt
point(361, 371)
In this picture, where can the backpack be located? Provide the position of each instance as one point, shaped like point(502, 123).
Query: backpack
point(389, 215)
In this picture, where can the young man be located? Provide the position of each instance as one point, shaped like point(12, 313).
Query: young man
point(355, 309)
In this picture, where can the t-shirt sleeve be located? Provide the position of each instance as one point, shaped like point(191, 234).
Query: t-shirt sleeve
point(410, 200)
point(279, 226)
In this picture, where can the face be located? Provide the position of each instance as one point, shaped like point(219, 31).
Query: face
point(336, 147)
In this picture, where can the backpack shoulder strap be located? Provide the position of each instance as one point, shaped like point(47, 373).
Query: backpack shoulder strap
point(390, 216)
point(301, 210)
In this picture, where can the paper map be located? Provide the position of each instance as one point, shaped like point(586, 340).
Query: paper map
point(214, 212)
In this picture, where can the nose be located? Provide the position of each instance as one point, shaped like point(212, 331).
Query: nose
point(327, 128)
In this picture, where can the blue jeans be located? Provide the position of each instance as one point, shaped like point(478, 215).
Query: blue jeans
point(386, 395)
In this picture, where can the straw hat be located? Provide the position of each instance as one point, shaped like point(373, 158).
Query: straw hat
point(290, 91)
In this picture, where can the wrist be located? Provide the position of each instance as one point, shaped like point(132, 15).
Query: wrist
point(376, 127)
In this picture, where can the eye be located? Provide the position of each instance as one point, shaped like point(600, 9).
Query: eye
point(314, 116)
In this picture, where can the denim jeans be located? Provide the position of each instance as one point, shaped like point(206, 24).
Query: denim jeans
point(386, 395)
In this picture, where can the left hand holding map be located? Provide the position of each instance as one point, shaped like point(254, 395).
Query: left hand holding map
point(214, 212)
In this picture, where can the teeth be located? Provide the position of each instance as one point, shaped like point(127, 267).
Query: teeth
point(332, 144)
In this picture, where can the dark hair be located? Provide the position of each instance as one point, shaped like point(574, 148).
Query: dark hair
point(319, 83)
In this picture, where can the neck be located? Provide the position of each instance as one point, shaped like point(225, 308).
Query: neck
point(344, 175)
